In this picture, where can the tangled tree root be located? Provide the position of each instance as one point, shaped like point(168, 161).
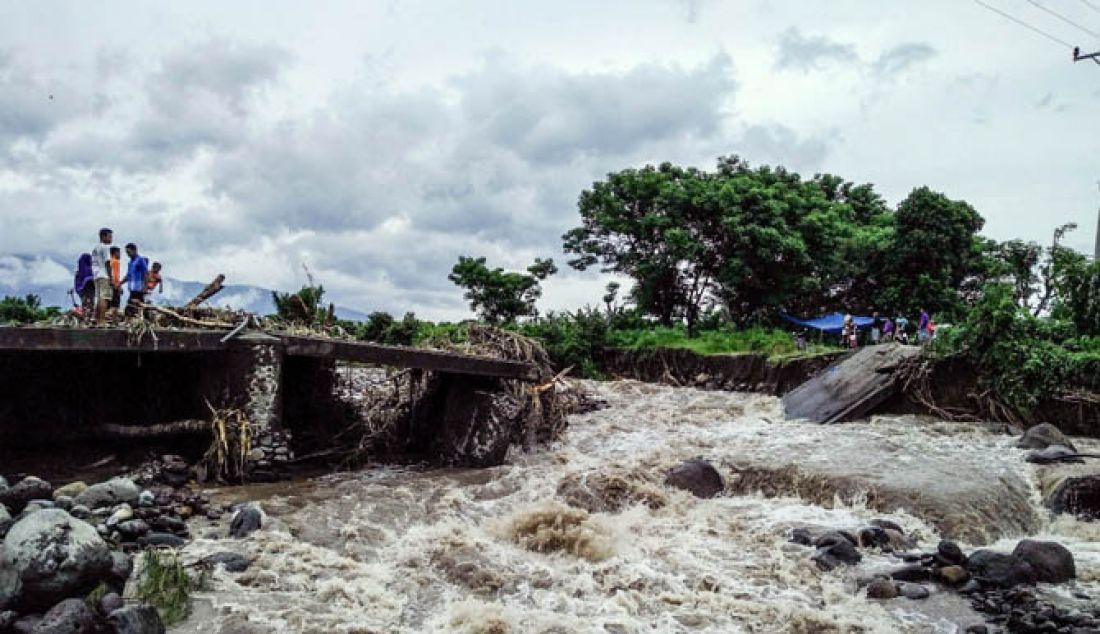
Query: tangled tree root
point(460, 420)
point(227, 457)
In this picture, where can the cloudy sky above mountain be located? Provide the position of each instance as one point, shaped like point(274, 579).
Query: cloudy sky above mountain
point(374, 142)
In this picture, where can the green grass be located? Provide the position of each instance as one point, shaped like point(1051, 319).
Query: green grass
point(774, 343)
point(165, 583)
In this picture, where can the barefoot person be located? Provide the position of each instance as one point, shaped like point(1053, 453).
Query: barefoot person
point(101, 273)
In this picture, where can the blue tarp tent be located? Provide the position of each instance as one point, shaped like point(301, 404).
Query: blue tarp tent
point(830, 324)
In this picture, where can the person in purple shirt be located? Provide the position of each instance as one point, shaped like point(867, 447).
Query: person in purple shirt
point(84, 285)
point(922, 326)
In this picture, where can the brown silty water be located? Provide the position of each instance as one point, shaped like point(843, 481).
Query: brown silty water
point(583, 536)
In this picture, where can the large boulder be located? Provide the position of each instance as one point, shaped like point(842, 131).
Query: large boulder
point(49, 556)
point(1042, 436)
point(136, 619)
point(1000, 569)
point(29, 488)
point(109, 493)
point(71, 616)
point(697, 476)
point(1052, 562)
point(247, 519)
point(1077, 495)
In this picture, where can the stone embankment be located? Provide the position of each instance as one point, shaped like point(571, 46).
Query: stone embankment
point(69, 553)
point(748, 372)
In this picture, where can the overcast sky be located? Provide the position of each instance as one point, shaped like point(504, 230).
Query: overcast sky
point(375, 142)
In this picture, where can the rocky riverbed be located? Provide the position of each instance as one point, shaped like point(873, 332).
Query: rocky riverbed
point(668, 510)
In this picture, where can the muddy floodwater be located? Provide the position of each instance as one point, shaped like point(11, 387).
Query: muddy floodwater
point(582, 536)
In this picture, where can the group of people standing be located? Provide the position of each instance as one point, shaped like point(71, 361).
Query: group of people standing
point(884, 329)
point(98, 283)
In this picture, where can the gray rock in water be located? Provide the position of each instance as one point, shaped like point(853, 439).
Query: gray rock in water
point(697, 476)
point(147, 498)
point(109, 493)
point(50, 556)
point(1055, 453)
point(162, 539)
point(830, 538)
point(136, 619)
point(1052, 562)
point(912, 574)
point(71, 616)
point(1000, 569)
point(247, 519)
point(890, 524)
point(914, 591)
point(3, 483)
point(233, 562)
point(950, 552)
point(29, 488)
point(840, 553)
point(1042, 436)
point(7, 617)
point(882, 588)
point(1077, 495)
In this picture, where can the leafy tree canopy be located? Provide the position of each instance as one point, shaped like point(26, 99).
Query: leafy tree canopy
point(500, 296)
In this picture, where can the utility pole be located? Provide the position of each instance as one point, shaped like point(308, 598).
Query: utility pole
point(1078, 56)
point(1096, 246)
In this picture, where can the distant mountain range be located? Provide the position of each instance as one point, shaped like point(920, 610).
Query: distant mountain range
point(51, 280)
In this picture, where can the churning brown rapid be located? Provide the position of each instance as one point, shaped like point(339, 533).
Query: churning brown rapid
point(583, 536)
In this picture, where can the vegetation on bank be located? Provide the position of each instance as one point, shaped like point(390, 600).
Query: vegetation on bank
point(25, 310)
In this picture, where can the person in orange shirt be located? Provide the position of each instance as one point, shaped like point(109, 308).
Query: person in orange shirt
point(115, 264)
point(152, 280)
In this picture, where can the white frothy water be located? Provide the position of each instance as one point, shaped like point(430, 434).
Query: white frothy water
point(498, 550)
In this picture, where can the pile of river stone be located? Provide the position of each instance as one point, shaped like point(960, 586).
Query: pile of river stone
point(61, 544)
point(998, 584)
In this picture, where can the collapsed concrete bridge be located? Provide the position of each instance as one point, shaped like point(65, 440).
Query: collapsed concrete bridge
point(64, 384)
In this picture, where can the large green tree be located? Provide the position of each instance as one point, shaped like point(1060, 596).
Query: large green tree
point(750, 239)
point(934, 251)
point(645, 223)
point(500, 296)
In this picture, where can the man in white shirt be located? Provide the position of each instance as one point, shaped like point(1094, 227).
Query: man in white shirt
point(101, 272)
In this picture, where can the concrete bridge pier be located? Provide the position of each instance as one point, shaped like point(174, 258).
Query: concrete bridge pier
point(256, 387)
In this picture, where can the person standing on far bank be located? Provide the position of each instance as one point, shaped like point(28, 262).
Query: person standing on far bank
point(922, 326)
point(136, 273)
point(876, 328)
point(101, 273)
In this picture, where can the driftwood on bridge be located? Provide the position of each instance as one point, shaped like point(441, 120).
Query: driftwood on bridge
point(212, 289)
point(851, 388)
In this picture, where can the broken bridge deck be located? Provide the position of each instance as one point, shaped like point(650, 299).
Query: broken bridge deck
point(851, 388)
point(56, 340)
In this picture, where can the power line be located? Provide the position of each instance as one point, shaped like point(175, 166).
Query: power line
point(1064, 18)
point(1025, 24)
